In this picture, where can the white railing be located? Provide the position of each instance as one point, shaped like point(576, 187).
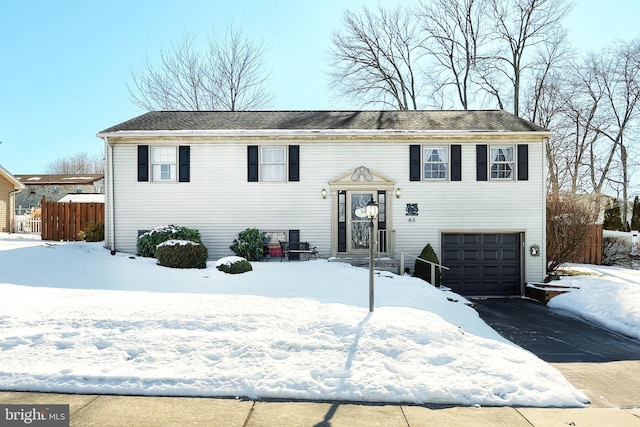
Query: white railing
point(28, 225)
point(386, 242)
point(433, 264)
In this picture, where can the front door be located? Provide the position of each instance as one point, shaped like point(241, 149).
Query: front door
point(358, 224)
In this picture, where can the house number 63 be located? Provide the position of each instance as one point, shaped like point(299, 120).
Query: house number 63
point(412, 220)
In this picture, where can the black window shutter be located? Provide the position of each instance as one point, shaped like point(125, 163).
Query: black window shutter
point(481, 162)
point(456, 163)
point(143, 163)
point(252, 163)
point(294, 163)
point(342, 221)
point(414, 163)
point(523, 162)
point(184, 163)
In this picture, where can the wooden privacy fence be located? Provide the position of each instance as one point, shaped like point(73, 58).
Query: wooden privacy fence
point(63, 221)
point(593, 251)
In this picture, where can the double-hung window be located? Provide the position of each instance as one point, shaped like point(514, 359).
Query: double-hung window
point(273, 163)
point(436, 161)
point(502, 163)
point(163, 163)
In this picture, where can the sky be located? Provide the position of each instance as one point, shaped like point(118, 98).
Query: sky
point(65, 65)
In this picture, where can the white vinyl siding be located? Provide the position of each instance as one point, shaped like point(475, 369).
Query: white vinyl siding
point(220, 202)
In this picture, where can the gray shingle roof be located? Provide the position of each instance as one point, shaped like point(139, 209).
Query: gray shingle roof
point(59, 179)
point(469, 120)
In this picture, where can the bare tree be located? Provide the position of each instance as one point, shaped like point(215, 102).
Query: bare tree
point(569, 222)
point(374, 57)
point(621, 84)
point(545, 102)
point(228, 75)
point(584, 160)
point(455, 36)
point(519, 26)
point(77, 164)
point(236, 79)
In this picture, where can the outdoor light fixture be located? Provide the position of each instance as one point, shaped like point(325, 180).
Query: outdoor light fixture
point(398, 192)
point(324, 193)
point(371, 210)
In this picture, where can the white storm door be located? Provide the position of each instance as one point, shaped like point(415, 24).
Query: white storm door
point(358, 224)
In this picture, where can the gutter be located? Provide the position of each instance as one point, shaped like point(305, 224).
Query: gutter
point(314, 132)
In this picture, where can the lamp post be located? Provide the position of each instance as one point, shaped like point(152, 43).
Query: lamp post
point(372, 212)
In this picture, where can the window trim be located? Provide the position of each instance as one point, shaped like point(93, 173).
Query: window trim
point(173, 166)
point(447, 162)
point(512, 163)
point(283, 165)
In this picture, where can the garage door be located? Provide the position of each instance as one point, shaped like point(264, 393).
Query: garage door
point(482, 264)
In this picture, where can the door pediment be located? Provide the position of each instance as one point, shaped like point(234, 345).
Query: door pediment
point(362, 178)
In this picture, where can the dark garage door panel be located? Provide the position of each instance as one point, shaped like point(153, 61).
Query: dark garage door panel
point(482, 264)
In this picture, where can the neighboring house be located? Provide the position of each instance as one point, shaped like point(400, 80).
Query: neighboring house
point(55, 187)
point(9, 188)
point(470, 183)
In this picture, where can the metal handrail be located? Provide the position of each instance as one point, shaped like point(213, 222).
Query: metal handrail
point(433, 264)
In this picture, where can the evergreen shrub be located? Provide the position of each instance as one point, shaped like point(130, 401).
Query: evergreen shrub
point(238, 266)
point(635, 215)
point(149, 241)
point(182, 254)
point(93, 233)
point(423, 269)
point(613, 217)
point(249, 244)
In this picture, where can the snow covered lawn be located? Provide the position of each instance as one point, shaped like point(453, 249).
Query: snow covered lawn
point(75, 319)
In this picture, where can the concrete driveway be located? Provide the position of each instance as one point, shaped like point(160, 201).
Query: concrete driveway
point(602, 364)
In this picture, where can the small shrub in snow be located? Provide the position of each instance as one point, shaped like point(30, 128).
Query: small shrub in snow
point(249, 244)
point(182, 254)
point(233, 265)
point(93, 233)
point(149, 241)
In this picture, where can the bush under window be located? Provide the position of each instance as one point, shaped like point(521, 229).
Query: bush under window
point(149, 241)
point(182, 254)
point(249, 244)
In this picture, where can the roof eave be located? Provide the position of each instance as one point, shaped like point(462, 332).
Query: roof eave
point(312, 132)
point(16, 184)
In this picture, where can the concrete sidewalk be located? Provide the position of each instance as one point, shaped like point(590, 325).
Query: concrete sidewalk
point(104, 410)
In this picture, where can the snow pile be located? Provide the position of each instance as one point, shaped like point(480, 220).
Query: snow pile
point(75, 319)
point(608, 296)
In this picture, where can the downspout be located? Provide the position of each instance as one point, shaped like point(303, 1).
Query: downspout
point(109, 195)
point(12, 208)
